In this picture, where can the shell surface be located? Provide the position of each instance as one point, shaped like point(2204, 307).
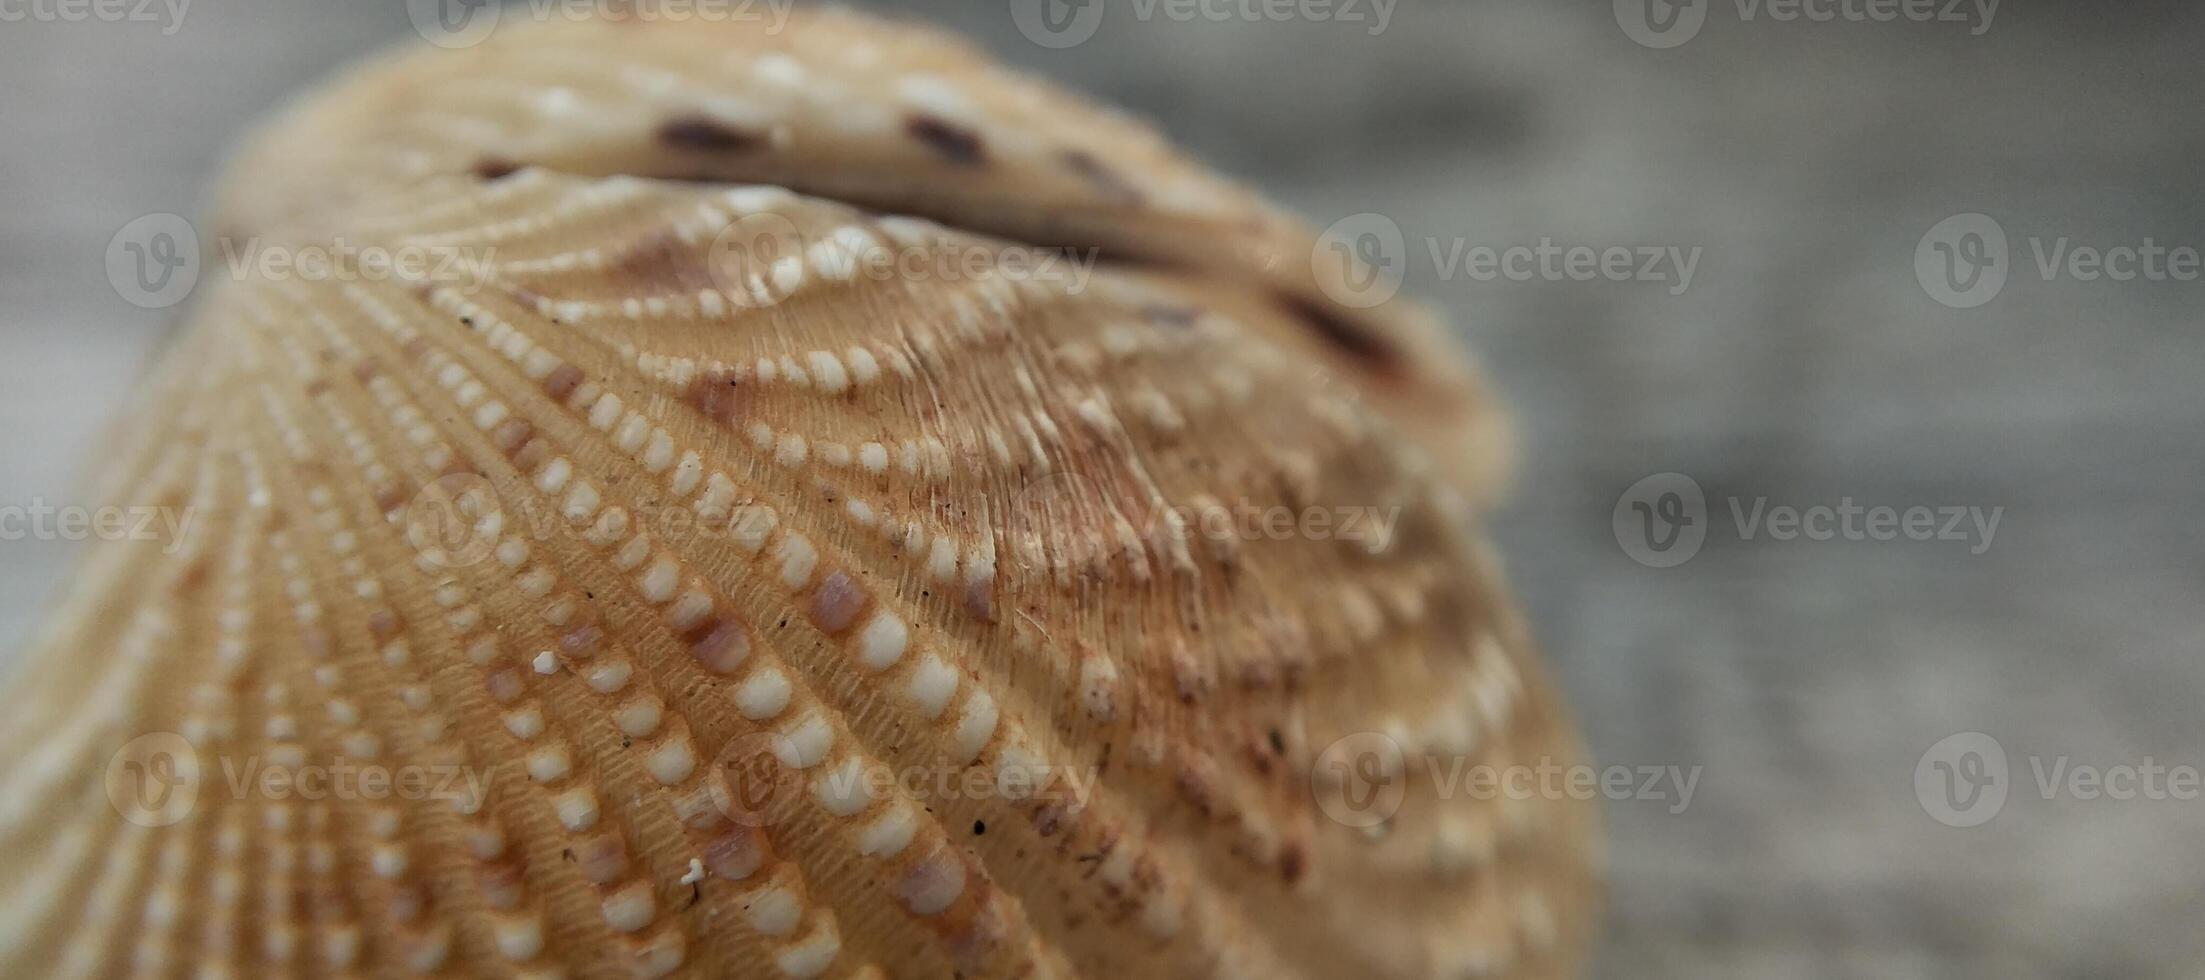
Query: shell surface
point(753, 544)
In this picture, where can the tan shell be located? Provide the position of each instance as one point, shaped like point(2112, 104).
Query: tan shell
point(764, 618)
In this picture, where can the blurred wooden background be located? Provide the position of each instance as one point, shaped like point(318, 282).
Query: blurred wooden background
point(1803, 364)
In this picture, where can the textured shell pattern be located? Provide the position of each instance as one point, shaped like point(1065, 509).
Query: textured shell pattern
point(690, 556)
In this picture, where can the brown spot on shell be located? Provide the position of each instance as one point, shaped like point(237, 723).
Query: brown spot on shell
point(974, 927)
point(502, 884)
point(603, 858)
point(325, 898)
point(407, 901)
point(1188, 679)
point(705, 134)
point(931, 884)
point(1293, 862)
point(661, 262)
point(582, 641)
point(495, 168)
point(1344, 334)
point(735, 855)
point(721, 397)
point(384, 624)
point(719, 645)
point(531, 455)
point(837, 602)
point(1259, 671)
point(511, 434)
point(503, 684)
point(391, 498)
point(1101, 176)
point(955, 143)
point(980, 600)
point(1198, 786)
point(1170, 315)
point(1261, 762)
point(1049, 818)
point(526, 297)
point(192, 578)
point(562, 381)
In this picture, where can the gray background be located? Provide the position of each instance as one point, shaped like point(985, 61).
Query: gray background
point(1804, 364)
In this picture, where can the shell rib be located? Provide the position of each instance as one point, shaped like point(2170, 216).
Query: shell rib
point(792, 621)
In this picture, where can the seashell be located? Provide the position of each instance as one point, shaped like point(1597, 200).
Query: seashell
point(650, 585)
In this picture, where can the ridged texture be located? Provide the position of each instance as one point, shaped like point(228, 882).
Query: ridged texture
point(917, 533)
